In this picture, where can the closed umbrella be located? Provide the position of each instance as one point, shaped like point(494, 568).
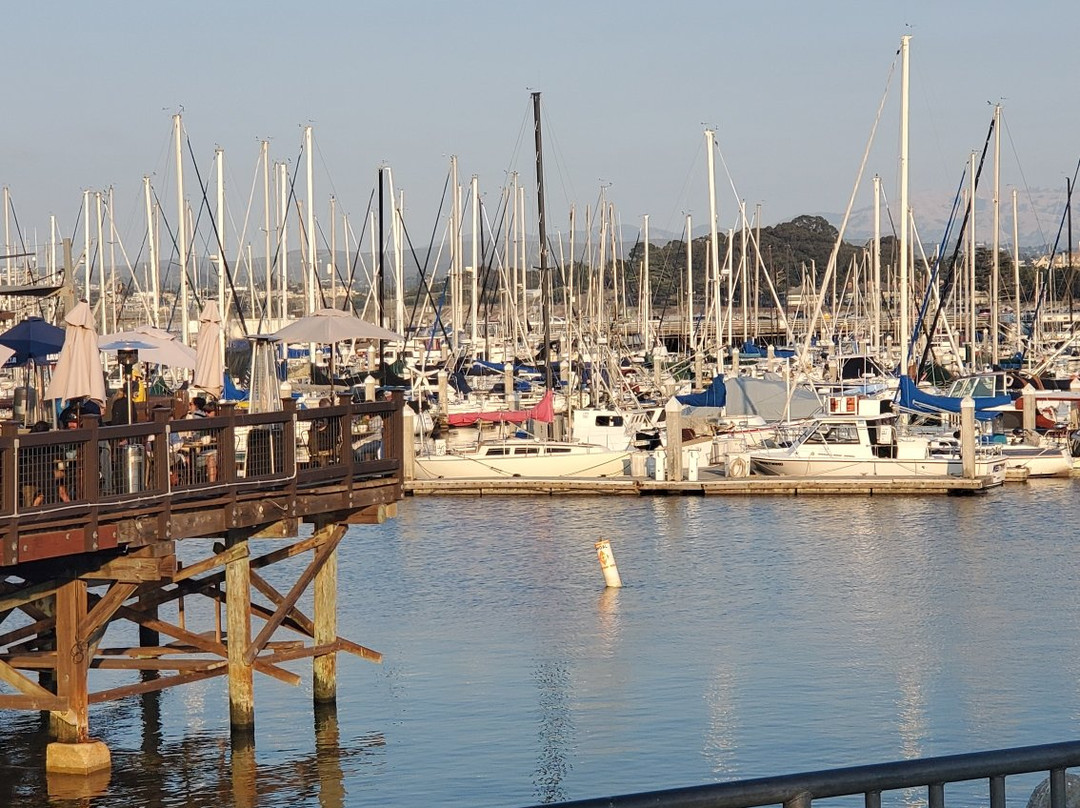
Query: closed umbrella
point(78, 370)
point(209, 362)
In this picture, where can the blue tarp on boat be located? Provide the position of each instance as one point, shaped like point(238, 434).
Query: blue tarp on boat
point(714, 396)
point(912, 398)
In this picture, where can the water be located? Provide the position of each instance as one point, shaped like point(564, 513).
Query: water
point(753, 636)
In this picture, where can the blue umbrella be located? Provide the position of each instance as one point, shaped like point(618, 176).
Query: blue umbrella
point(34, 339)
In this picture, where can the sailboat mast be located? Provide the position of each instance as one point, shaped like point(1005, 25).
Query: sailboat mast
point(155, 291)
point(181, 231)
point(876, 336)
point(714, 249)
point(995, 278)
point(905, 43)
point(545, 279)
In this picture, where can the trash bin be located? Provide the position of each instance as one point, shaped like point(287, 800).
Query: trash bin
point(132, 463)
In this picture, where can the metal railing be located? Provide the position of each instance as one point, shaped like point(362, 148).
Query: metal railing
point(933, 774)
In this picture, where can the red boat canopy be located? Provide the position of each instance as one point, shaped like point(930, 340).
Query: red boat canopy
point(544, 412)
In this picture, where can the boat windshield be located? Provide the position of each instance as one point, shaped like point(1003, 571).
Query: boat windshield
point(825, 432)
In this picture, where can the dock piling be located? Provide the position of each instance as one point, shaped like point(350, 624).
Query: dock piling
point(238, 635)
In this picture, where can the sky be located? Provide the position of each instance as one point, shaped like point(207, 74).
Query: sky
point(792, 90)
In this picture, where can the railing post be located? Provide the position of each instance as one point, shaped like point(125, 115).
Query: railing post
point(935, 793)
point(9, 477)
point(997, 792)
point(345, 430)
point(90, 467)
point(1057, 788)
point(801, 800)
point(872, 799)
point(288, 455)
point(161, 419)
point(227, 443)
point(393, 437)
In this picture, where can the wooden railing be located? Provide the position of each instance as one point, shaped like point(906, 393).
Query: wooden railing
point(84, 476)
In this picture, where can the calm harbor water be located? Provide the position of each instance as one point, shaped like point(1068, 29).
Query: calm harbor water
point(753, 636)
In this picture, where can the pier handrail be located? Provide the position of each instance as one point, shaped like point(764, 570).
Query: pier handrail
point(184, 460)
point(800, 790)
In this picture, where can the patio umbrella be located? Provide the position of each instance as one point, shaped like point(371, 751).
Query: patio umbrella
point(78, 370)
point(154, 345)
point(6, 353)
point(209, 362)
point(327, 326)
point(32, 339)
point(330, 326)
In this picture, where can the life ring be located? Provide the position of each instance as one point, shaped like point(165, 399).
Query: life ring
point(737, 467)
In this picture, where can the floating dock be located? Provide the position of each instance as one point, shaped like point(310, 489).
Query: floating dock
point(708, 484)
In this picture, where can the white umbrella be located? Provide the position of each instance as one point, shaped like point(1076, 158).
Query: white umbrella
point(78, 370)
point(154, 345)
point(209, 363)
point(327, 326)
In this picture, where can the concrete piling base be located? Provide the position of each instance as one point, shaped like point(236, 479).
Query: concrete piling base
point(77, 758)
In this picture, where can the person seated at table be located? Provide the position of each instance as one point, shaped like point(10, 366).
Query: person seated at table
point(324, 437)
point(205, 452)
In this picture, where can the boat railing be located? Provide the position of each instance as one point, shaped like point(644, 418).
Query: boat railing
point(871, 782)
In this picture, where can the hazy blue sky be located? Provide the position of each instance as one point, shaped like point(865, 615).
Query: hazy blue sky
point(790, 87)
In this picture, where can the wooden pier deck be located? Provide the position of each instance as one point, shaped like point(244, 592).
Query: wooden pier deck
point(89, 521)
point(709, 484)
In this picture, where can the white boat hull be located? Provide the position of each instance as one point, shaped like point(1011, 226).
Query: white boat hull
point(778, 463)
point(523, 459)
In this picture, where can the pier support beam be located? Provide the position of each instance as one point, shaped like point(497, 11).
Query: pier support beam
point(238, 637)
point(73, 752)
point(324, 666)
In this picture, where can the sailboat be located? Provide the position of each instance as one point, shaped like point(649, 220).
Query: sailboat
point(516, 454)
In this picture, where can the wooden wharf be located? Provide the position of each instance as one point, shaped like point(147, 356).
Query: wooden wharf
point(104, 552)
point(708, 484)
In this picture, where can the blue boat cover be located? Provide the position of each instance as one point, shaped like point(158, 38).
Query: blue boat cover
point(912, 398)
point(713, 396)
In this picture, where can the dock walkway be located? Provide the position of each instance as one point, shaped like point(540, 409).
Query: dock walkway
point(709, 484)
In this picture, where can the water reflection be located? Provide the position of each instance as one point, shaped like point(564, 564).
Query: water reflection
point(720, 735)
point(556, 731)
point(195, 771)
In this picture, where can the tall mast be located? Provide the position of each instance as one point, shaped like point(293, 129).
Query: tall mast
point(714, 247)
point(474, 311)
point(265, 153)
point(646, 315)
point(995, 278)
point(905, 42)
point(219, 224)
point(689, 283)
point(876, 253)
point(972, 324)
point(1016, 273)
point(155, 289)
point(100, 262)
point(181, 230)
point(455, 253)
point(313, 259)
point(545, 279)
point(283, 243)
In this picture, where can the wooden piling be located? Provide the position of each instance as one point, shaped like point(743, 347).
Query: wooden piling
point(73, 725)
point(673, 418)
point(324, 666)
point(238, 636)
